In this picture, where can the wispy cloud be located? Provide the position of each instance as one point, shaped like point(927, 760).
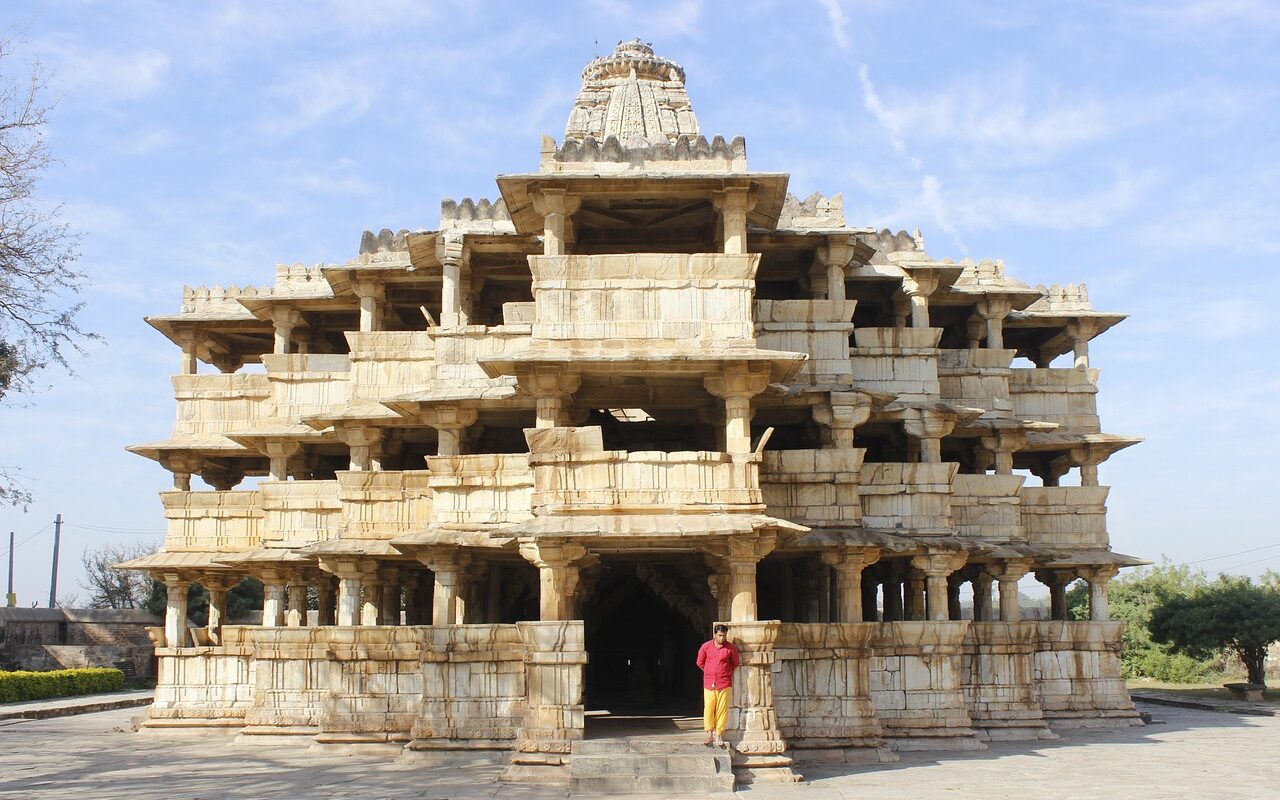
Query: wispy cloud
point(104, 74)
point(839, 20)
point(327, 92)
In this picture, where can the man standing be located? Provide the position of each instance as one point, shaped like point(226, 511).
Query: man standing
point(717, 659)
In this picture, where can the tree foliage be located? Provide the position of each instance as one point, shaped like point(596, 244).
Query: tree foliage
point(1134, 596)
point(37, 251)
point(243, 598)
point(109, 587)
point(1231, 613)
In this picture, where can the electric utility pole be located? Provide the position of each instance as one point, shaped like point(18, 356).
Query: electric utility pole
point(11, 599)
point(53, 580)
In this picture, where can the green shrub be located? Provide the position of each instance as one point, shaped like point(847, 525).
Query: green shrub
point(15, 686)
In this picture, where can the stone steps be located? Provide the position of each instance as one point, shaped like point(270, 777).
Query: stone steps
point(648, 766)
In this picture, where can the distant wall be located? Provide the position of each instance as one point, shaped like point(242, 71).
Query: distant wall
point(43, 639)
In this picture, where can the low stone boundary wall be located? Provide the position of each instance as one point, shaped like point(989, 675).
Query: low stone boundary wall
point(996, 675)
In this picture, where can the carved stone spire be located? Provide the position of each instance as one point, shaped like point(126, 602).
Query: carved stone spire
point(634, 95)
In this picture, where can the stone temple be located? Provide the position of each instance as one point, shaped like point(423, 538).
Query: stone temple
point(517, 466)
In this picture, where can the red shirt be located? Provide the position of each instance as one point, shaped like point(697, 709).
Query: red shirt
point(717, 664)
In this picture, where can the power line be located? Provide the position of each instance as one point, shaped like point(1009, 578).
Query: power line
point(1229, 555)
point(1250, 563)
point(107, 529)
point(29, 538)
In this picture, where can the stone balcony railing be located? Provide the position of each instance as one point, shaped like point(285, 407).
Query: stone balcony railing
point(385, 364)
point(299, 513)
point(482, 490)
point(385, 504)
point(813, 487)
point(458, 350)
point(914, 498)
point(306, 385)
point(988, 507)
point(897, 361)
point(648, 481)
point(227, 522)
point(589, 301)
point(1070, 516)
point(818, 328)
point(217, 404)
point(976, 379)
point(1067, 397)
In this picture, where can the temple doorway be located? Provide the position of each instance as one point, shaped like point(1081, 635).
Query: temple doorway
point(644, 623)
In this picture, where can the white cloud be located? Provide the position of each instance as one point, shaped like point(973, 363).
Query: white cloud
point(677, 18)
point(1235, 212)
point(317, 93)
point(839, 20)
point(97, 74)
point(148, 140)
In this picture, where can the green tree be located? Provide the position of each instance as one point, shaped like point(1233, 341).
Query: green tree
point(243, 598)
point(1231, 613)
point(1133, 597)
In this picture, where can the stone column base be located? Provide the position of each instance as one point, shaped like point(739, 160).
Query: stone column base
point(1076, 675)
point(996, 673)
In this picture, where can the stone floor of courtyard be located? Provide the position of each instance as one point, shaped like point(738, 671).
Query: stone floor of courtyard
point(1189, 754)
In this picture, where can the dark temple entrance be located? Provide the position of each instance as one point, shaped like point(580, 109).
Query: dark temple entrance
point(644, 623)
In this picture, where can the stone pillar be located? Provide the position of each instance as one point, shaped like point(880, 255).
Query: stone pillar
point(370, 600)
point(325, 601)
point(389, 604)
point(175, 610)
point(974, 329)
point(1099, 578)
point(1057, 580)
point(737, 383)
point(217, 587)
point(1088, 458)
point(446, 564)
point(558, 566)
point(279, 451)
point(929, 428)
point(348, 600)
point(892, 590)
point(371, 295)
point(1081, 331)
point(917, 289)
point(1003, 444)
point(718, 583)
point(362, 442)
point(733, 203)
point(182, 481)
point(552, 389)
point(1007, 575)
point(870, 591)
point(272, 601)
point(557, 209)
point(993, 309)
point(982, 596)
point(849, 562)
point(284, 320)
point(937, 566)
point(297, 616)
point(451, 422)
point(842, 414)
point(954, 612)
point(189, 364)
point(914, 588)
point(742, 590)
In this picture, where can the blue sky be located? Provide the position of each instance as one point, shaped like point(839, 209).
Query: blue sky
point(1132, 147)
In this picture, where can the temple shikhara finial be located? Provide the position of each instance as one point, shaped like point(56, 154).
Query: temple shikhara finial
point(502, 472)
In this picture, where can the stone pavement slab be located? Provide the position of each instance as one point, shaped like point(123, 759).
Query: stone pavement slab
point(1191, 754)
point(1164, 698)
point(81, 704)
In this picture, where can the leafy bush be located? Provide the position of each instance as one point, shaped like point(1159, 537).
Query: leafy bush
point(15, 686)
point(1134, 598)
point(1231, 613)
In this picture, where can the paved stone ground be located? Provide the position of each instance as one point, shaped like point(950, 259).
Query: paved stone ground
point(70, 706)
point(1193, 754)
